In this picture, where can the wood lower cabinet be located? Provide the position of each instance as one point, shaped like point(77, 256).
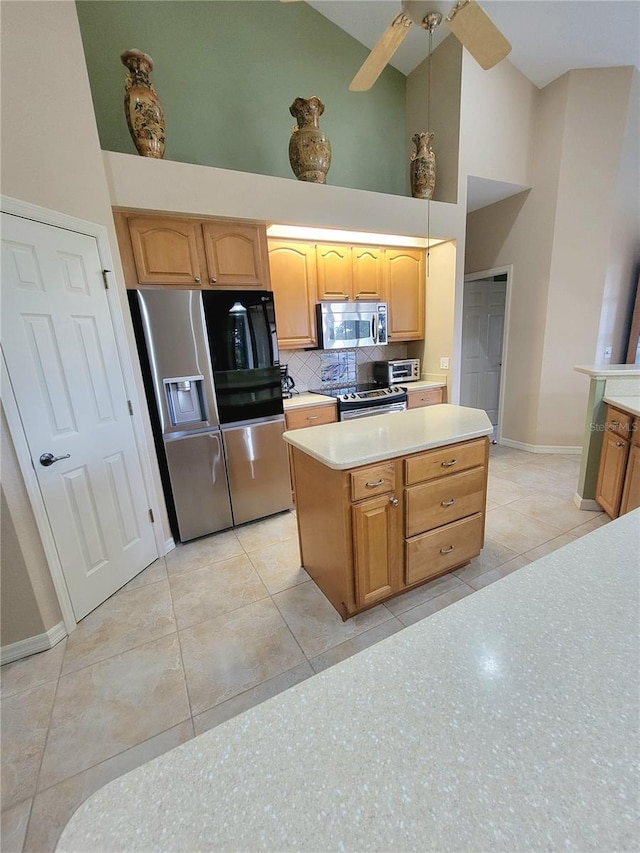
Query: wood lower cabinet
point(295, 293)
point(311, 416)
point(631, 489)
point(369, 533)
point(614, 457)
point(182, 251)
point(425, 397)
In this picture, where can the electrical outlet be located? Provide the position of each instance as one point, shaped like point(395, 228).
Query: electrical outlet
point(444, 363)
point(607, 352)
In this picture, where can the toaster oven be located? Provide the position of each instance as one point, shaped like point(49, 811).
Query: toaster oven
point(396, 370)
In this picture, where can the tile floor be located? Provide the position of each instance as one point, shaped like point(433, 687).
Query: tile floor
point(217, 626)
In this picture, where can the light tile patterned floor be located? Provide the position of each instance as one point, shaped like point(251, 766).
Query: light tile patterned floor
point(217, 626)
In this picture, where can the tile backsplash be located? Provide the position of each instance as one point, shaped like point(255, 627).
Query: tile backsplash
point(315, 368)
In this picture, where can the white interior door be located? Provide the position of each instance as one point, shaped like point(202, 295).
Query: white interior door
point(60, 350)
point(482, 339)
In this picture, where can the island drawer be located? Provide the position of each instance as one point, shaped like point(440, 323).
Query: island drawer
point(442, 549)
point(618, 422)
point(311, 416)
point(441, 501)
point(443, 461)
point(375, 480)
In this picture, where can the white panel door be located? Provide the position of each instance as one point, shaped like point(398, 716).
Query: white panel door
point(60, 349)
point(482, 334)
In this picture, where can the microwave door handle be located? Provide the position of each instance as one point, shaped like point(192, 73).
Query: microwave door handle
point(374, 330)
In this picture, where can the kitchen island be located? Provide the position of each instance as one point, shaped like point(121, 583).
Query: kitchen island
point(506, 722)
point(386, 503)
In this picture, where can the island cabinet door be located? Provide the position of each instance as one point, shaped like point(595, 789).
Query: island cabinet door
point(613, 463)
point(376, 534)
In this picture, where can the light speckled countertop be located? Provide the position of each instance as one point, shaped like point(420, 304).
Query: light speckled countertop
point(606, 371)
point(506, 722)
point(306, 398)
point(629, 404)
point(346, 444)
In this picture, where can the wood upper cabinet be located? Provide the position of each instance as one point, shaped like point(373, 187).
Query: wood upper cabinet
point(189, 252)
point(368, 272)
point(295, 293)
point(405, 284)
point(165, 251)
point(236, 255)
point(350, 272)
point(335, 273)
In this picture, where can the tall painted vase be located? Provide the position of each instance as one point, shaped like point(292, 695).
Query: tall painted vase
point(309, 148)
point(423, 166)
point(142, 107)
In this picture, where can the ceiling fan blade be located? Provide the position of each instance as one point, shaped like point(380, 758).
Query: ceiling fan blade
point(478, 34)
point(385, 47)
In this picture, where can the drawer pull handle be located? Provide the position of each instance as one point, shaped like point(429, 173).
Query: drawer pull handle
point(448, 503)
point(393, 500)
point(614, 424)
point(447, 550)
point(312, 417)
point(374, 485)
point(449, 463)
point(620, 444)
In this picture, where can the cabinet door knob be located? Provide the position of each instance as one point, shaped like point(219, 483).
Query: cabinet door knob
point(620, 444)
point(393, 501)
point(213, 279)
point(197, 279)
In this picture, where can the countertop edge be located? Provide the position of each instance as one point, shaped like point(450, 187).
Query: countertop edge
point(629, 404)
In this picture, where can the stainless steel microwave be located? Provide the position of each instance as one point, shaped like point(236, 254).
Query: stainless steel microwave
point(344, 325)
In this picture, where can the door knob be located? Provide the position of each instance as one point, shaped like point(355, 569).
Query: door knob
point(48, 458)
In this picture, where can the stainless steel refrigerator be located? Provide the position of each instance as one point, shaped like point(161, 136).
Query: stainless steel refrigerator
point(210, 361)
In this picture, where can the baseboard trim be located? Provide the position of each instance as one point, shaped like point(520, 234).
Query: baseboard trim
point(169, 545)
point(540, 448)
point(586, 503)
point(33, 645)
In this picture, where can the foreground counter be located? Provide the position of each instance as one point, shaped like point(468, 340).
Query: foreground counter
point(507, 721)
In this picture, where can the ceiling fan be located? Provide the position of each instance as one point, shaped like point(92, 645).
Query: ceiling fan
point(467, 21)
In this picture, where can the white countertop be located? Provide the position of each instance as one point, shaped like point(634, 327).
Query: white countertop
point(506, 722)
point(629, 404)
point(604, 371)
point(306, 398)
point(347, 444)
point(421, 384)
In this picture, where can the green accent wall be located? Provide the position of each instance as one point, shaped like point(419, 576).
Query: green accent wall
point(227, 71)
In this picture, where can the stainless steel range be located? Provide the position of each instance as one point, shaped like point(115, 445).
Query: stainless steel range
point(361, 401)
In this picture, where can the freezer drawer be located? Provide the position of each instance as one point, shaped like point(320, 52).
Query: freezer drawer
point(258, 469)
point(199, 484)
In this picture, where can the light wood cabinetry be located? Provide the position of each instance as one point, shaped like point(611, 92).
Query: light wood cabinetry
point(236, 255)
point(306, 416)
point(305, 273)
point(295, 293)
point(371, 532)
point(426, 397)
point(405, 293)
point(350, 272)
point(165, 251)
point(618, 486)
point(181, 251)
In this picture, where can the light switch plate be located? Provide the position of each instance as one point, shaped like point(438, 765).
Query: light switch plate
point(444, 364)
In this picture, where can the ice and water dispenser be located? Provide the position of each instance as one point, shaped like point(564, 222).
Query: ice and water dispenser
point(185, 401)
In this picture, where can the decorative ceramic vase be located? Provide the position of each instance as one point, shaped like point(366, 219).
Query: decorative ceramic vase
point(142, 106)
point(423, 166)
point(309, 148)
